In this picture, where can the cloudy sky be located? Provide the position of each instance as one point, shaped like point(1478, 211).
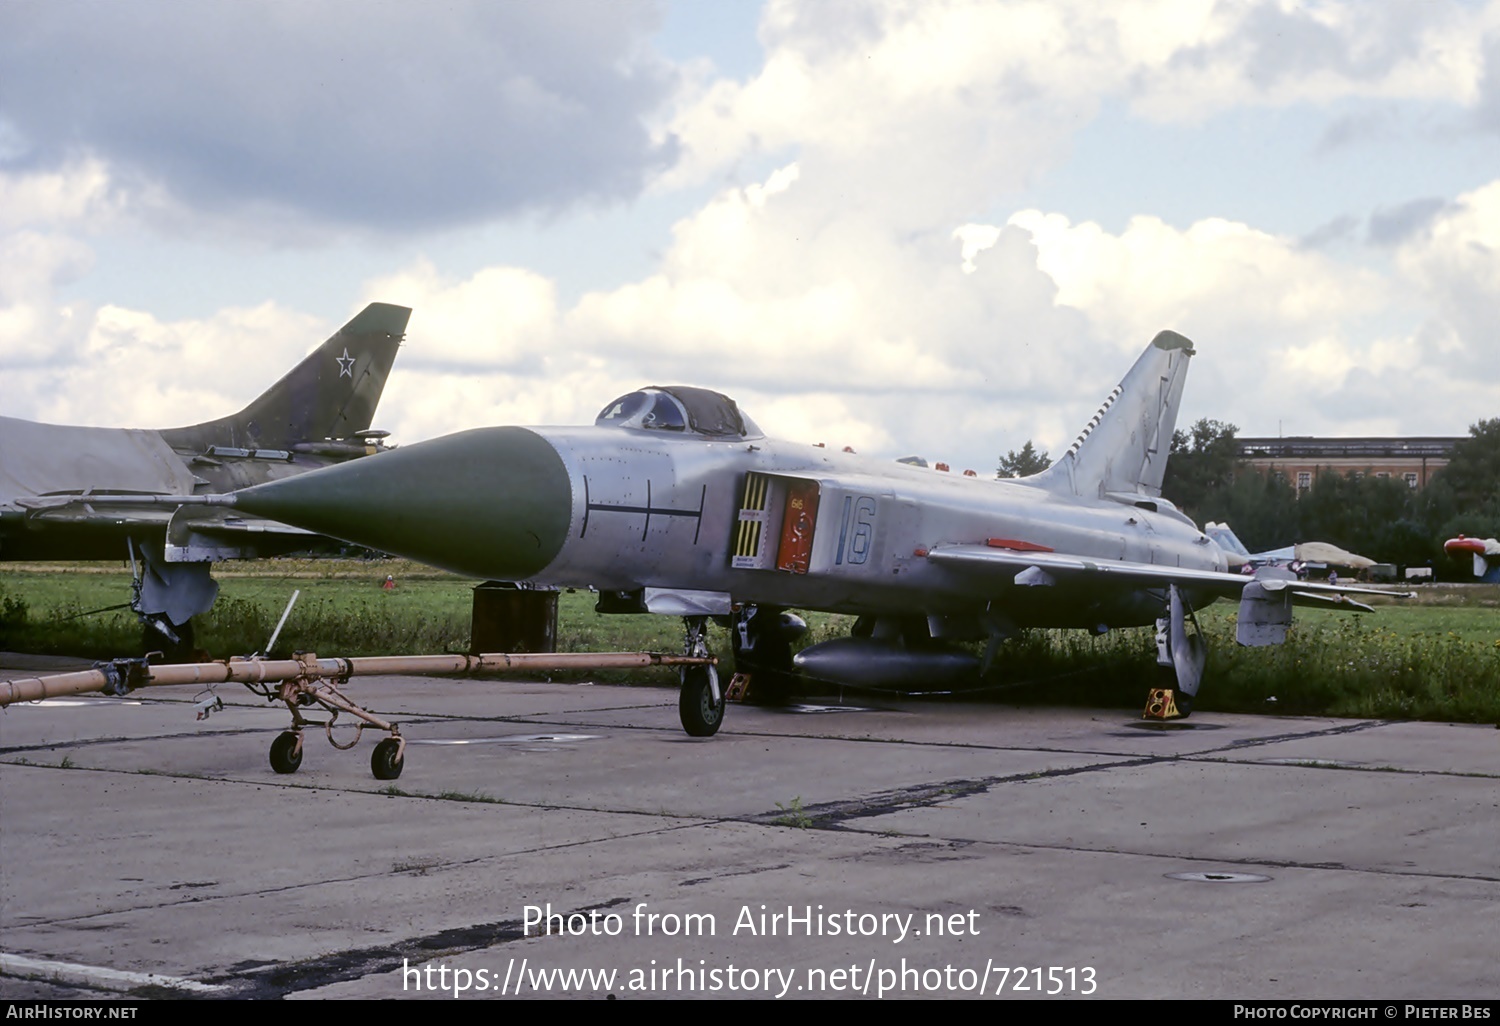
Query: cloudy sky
point(917, 226)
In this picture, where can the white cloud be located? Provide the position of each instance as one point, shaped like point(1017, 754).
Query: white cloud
point(124, 368)
point(79, 196)
point(35, 330)
point(1284, 53)
point(501, 318)
point(934, 105)
point(910, 112)
point(1290, 334)
point(976, 238)
point(835, 331)
point(388, 115)
point(1214, 278)
point(1456, 263)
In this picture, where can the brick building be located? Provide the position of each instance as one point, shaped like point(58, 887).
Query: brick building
point(1300, 459)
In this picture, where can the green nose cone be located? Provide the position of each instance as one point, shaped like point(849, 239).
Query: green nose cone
point(493, 503)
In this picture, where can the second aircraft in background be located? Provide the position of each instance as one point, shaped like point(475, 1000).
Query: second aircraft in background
point(72, 493)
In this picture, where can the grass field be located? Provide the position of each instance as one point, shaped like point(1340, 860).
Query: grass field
point(1434, 657)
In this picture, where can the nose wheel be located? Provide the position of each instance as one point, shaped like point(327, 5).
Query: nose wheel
point(700, 704)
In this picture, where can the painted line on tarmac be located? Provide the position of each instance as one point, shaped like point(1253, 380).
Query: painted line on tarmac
point(97, 976)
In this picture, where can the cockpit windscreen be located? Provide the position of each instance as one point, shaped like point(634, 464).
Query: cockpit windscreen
point(679, 408)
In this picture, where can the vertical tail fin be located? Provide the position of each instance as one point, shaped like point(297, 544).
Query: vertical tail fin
point(329, 395)
point(1124, 448)
point(1226, 539)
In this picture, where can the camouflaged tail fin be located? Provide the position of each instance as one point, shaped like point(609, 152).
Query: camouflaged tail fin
point(332, 394)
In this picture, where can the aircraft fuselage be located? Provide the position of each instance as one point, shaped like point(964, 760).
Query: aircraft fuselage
point(835, 531)
point(749, 520)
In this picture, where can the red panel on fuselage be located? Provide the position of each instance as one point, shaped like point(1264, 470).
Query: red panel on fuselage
point(797, 527)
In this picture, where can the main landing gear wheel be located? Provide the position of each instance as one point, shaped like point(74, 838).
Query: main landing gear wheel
point(700, 711)
point(286, 751)
point(761, 638)
point(387, 761)
point(1184, 703)
point(1180, 658)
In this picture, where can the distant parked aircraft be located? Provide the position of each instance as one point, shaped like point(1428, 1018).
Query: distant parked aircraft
point(73, 492)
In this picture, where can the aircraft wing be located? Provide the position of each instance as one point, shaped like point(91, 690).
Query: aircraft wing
point(1008, 565)
point(88, 511)
point(193, 533)
point(1004, 564)
point(197, 534)
point(1320, 593)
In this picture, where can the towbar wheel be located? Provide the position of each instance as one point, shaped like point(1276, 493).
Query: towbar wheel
point(286, 751)
point(387, 761)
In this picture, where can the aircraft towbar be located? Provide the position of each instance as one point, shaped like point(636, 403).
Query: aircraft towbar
point(307, 681)
point(122, 676)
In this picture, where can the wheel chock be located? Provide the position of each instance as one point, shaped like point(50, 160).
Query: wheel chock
point(1161, 704)
point(739, 684)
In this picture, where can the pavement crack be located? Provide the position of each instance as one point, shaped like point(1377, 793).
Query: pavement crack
point(395, 870)
point(262, 981)
point(1302, 735)
point(833, 815)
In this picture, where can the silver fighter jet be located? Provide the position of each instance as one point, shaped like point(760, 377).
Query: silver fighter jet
point(674, 502)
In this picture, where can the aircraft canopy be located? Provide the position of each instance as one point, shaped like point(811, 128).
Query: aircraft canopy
point(696, 411)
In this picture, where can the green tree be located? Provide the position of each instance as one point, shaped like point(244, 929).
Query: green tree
point(1473, 472)
point(1024, 463)
point(1405, 543)
point(1260, 508)
point(1434, 506)
point(1355, 511)
point(1200, 464)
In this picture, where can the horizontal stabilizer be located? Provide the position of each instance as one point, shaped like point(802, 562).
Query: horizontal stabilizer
point(1316, 600)
point(1320, 588)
